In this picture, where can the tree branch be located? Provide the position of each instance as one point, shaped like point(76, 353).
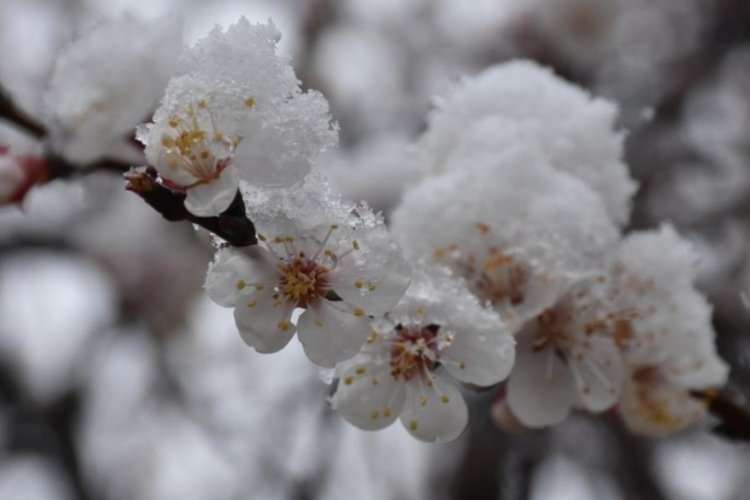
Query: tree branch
point(232, 225)
point(731, 409)
point(10, 112)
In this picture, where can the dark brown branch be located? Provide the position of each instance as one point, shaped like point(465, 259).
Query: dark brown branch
point(731, 409)
point(59, 168)
point(10, 112)
point(233, 225)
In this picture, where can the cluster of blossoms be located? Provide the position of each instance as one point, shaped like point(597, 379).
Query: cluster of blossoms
point(513, 263)
point(323, 268)
point(505, 260)
point(523, 198)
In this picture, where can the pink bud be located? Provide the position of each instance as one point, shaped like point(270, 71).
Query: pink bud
point(18, 173)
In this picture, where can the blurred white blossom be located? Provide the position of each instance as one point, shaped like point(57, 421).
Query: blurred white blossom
point(669, 343)
point(567, 357)
point(51, 308)
point(106, 82)
point(519, 231)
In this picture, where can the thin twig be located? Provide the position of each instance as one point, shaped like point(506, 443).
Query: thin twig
point(11, 113)
point(232, 225)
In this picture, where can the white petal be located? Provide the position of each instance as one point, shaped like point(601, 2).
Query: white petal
point(368, 396)
point(434, 414)
point(263, 323)
point(482, 358)
point(176, 175)
point(541, 292)
point(212, 198)
point(377, 284)
point(234, 274)
point(329, 335)
point(157, 156)
point(264, 159)
point(598, 373)
point(540, 388)
point(703, 371)
point(658, 409)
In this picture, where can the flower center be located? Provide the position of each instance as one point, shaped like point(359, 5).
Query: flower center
point(303, 280)
point(414, 351)
point(193, 143)
point(552, 325)
point(502, 279)
point(499, 278)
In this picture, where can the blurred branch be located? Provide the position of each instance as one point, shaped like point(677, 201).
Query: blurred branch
point(232, 225)
point(44, 427)
point(731, 409)
point(10, 112)
point(59, 168)
point(633, 471)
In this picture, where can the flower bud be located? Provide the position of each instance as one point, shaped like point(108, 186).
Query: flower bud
point(18, 174)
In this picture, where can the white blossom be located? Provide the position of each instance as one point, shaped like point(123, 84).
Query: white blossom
point(437, 324)
point(235, 112)
point(519, 231)
point(47, 350)
point(669, 346)
point(106, 82)
point(567, 357)
point(333, 259)
point(487, 113)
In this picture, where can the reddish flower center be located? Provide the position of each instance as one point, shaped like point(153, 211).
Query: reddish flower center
point(414, 350)
point(552, 326)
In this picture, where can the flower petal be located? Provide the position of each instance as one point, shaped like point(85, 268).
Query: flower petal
point(541, 292)
point(434, 414)
point(598, 372)
point(377, 279)
point(540, 388)
point(658, 408)
point(263, 322)
point(168, 165)
point(235, 273)
point(368, 396)
point(330, 335)
point(478, 357)
point(212, 198)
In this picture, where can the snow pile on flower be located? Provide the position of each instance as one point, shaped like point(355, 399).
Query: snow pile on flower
point(489, 112)
point(670, 347)
point(235, 111)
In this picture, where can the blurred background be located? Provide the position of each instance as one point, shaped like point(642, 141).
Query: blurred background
point(120, 380)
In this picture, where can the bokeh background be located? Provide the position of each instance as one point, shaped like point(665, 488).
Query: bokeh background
point(120, 380)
